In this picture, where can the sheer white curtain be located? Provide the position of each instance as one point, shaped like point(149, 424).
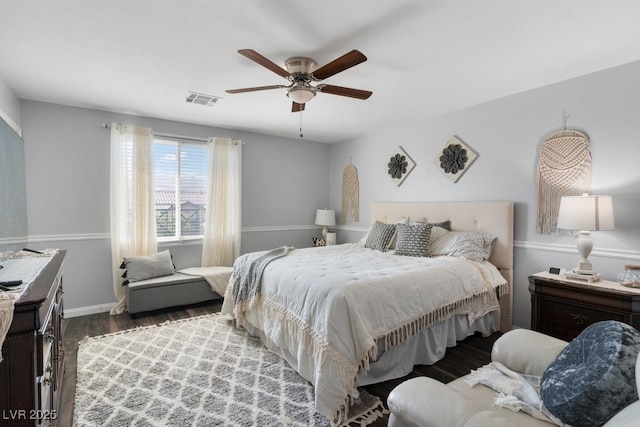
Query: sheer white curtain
point(222, 230)
point(133, 221)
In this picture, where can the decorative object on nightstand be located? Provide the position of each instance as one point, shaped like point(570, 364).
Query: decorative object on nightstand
point(585, 214)
point(631, 276)
point(325, 218)
point(331, 239)
point(318, 241)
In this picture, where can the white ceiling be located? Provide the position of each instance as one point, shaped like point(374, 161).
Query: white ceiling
point(425, 58)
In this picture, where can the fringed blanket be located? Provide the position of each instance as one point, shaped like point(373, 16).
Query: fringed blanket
point(247, 277)
point(516, 392)
point(332, 310)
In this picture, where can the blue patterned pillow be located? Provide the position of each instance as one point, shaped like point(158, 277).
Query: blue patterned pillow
point(594, 376)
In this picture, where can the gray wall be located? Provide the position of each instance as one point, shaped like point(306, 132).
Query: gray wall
point(13, 201)
point(9, 107)
point(507, 134)
point(67, 179)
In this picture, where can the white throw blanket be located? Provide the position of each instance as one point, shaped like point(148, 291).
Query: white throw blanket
point(516, 392)
point(331, 310)
point(217, 277)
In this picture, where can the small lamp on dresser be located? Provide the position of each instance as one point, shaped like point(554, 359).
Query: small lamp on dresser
point(325, 218)
point(585, 214)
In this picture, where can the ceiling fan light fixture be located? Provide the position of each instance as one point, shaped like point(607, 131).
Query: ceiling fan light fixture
point(301, 94)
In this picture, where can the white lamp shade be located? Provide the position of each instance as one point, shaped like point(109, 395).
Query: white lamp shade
point(586, 213)
point(325, 217)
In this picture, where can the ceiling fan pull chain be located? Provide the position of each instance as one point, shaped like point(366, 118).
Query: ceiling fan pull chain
point(300, 123)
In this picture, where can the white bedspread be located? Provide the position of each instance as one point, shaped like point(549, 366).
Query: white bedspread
point(344, 304)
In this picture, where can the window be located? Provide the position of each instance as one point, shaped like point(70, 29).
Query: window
point(180, 180)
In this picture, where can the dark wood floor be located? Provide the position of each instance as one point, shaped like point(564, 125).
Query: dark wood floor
point(469, 354)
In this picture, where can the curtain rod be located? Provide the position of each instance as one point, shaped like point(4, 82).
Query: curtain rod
point(166, 135)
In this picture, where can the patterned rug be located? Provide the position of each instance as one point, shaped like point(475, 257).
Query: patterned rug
point(195, 372)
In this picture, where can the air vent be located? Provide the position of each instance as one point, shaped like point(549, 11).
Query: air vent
point(201, 99)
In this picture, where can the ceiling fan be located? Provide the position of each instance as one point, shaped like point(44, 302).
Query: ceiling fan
point(301, 72)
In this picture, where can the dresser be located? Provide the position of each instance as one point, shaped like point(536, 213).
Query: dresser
point(31, 372)
point(563, 308)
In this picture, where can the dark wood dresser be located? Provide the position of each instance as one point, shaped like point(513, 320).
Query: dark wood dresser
point(31, 372)
point(563, 308)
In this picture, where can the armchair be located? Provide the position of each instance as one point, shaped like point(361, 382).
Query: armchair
point(425, 402)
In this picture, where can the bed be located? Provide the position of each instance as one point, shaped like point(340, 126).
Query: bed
point(348, 315)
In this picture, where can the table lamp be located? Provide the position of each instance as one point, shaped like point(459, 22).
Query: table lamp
point(585, 214)
point(325, 217)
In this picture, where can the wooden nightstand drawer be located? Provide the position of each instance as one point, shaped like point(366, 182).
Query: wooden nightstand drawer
point(563, 308)
point(568, 320)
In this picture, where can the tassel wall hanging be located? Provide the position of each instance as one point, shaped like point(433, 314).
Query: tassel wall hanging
point(564, 169)
point(350, 195)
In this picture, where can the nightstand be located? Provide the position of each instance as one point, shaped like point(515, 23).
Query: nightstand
point(563, 308)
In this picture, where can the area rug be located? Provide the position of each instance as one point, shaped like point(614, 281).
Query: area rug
point(195, 372)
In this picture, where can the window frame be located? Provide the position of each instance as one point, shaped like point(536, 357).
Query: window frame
point(179, 143)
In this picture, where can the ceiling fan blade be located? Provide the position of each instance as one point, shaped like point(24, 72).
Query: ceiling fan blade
point(256, 57)
point(346, 61)
point(295, 107)
point(345, 91)
point(253, 89)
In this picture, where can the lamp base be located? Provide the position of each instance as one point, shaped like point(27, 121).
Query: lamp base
point(584, 246)
point(584, 266)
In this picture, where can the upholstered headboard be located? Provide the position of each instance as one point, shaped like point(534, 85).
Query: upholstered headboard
point(495, 218)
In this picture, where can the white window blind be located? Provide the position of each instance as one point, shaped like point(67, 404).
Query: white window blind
point(180, 176)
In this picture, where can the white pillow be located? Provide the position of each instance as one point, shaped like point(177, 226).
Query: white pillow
point(464, 244)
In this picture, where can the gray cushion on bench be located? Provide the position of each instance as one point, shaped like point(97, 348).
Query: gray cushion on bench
point(168, 291)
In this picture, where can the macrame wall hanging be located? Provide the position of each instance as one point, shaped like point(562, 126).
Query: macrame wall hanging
point(350, 195)
point(564, 169)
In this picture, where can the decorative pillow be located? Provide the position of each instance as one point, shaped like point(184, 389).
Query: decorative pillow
point(413, 239)
point(395, 234)
point(470, 245)
point(380, 236)
point(148, 266)
point(364, 238)
point(444, 224)
point(594, 376)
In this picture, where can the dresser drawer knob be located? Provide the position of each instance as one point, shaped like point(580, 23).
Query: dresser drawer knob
point(578, 319)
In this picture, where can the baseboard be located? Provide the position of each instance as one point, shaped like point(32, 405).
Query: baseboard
point(85, 311)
